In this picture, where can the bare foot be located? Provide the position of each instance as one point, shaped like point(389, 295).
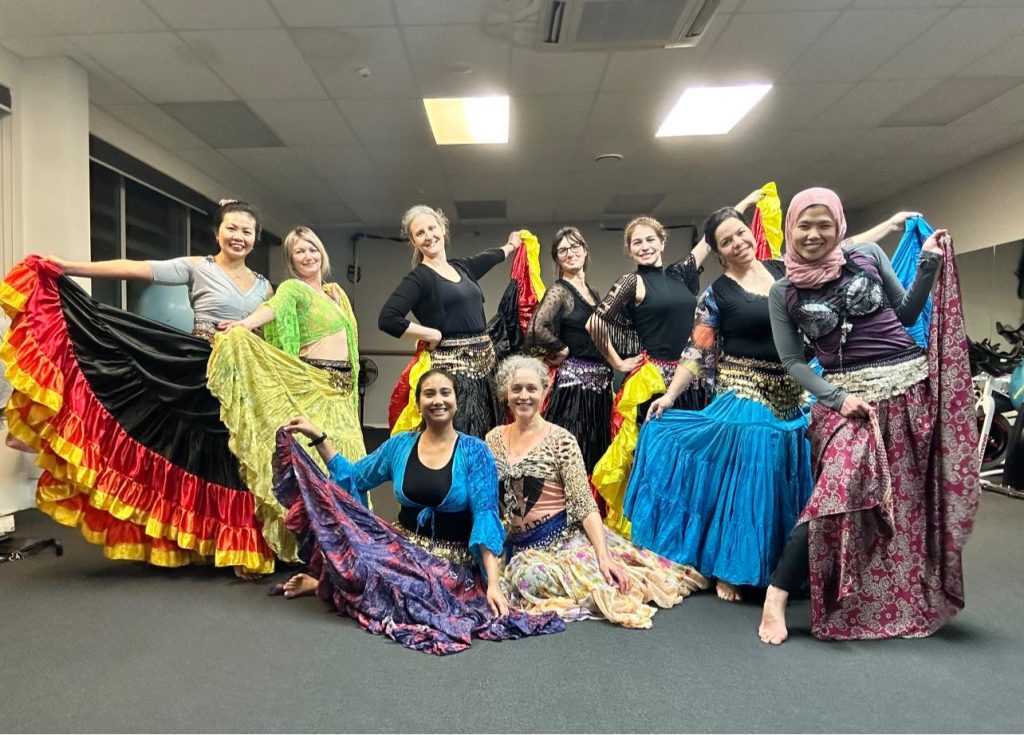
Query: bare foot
point(300, 585)
point(243, 573)
point(727, 592)
point(773, 618)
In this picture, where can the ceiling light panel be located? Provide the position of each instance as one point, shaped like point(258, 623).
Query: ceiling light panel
point(468, 120)
point(711, 110)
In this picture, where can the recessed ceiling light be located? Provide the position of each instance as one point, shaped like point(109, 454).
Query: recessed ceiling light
point(468, 120)
point(711, 110)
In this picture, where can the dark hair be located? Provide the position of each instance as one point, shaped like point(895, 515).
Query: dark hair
point(431, 373)
point(227, 206)
point(572, 234)
point(715, 220)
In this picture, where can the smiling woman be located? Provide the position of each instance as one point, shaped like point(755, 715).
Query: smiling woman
point(448, 305)
point(117, 406)
point(309, 361)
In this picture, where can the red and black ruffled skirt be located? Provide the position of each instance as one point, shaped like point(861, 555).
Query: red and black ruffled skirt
point(128, 436)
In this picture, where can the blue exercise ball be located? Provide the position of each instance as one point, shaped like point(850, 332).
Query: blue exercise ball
point(168, 305)
point(1017, 386)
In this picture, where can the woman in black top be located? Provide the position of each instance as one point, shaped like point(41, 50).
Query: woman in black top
point(581, 399)
point(444, 297)
point(720, 489)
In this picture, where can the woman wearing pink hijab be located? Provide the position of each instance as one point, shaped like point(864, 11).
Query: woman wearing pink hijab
point(892, 433)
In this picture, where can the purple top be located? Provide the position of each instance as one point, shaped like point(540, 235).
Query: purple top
point(868, 295)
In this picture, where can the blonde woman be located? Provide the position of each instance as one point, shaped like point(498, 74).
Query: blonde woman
point(448, 305)
point(308, 364)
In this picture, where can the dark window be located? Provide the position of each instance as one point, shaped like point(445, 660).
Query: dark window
point(105, 228)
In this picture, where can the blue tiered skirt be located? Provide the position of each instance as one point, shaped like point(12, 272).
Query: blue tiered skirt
point(720, 489)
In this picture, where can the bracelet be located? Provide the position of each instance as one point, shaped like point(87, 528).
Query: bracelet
point(319, 440)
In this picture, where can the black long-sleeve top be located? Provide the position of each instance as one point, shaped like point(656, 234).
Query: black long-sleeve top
point(560, 321)
point(453, 308)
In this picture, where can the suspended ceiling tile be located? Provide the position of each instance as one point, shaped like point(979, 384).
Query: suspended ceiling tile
point(259, 65)
point(204, 15)
point(160, 65)
point(337, 56)
point(305, 122)
point(224, 124)
point(334, 13)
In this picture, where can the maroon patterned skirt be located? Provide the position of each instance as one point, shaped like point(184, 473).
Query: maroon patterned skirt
point(894, 500)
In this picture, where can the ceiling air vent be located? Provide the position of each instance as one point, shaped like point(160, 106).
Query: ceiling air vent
point(591, 25)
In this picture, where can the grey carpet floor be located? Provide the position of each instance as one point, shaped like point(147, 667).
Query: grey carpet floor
point(88, 644)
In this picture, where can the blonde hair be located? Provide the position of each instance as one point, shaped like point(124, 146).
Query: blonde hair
point(659, 230)
point(507, 371)
point(412, 213)
point(305, 234)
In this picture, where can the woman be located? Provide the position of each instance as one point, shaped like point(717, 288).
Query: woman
point(720, 489)
point(118, 408)
point(562, 558)
point(444, 297)
point(892, 434)
point(641, 327)
point(581, 400)
point(221, 286)
point(414, 582)
point(309, 363)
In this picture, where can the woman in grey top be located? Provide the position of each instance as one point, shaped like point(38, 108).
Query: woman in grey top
point(892, 434)
point(221, 286)
point(127, 415)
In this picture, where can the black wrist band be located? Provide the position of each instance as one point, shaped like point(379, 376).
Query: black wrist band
point(319, 440)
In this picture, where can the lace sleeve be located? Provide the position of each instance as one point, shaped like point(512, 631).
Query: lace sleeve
point(542, 336)
point(579, 502)
point(289, 304)
point(612, 323)
point(687, 272)
point(699, 355)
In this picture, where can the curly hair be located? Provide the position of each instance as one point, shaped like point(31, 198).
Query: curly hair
point(507, 371)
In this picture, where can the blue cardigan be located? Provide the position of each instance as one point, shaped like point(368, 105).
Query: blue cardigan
point(474, 484)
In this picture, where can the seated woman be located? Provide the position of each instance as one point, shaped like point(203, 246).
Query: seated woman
point(118, 408)
point(563, 559)
point(309, 362)
point(722, 488)
point(417, 582)
point(892, 434)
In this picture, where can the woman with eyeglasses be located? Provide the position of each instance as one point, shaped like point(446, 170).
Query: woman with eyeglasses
point(581, 398)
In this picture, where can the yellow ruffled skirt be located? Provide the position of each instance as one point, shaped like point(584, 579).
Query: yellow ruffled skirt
point(260, 388)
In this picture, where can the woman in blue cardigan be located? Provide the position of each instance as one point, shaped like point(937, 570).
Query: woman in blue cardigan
point(420, 580)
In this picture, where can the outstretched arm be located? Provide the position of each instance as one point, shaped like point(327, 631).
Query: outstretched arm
point(135, 270)
point(876, 233)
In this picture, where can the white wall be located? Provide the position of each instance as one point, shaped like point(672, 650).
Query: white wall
point(49, 186)
point(384, 263)
point(978, 205)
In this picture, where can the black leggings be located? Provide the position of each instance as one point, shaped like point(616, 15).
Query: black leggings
point(793, 568)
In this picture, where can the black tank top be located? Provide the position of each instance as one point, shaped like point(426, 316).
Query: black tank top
point(430, 487)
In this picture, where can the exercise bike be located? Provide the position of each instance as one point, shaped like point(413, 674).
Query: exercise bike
point(1000, 424)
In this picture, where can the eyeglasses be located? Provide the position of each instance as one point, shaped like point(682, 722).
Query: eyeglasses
point(574, 248)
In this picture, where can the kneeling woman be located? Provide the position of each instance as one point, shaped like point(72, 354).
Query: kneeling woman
point(414, 582)
point(722, 488)
point(562, 557)
point(893, 434)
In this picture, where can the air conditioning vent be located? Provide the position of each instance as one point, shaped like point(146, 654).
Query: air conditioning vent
point(593, 25)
